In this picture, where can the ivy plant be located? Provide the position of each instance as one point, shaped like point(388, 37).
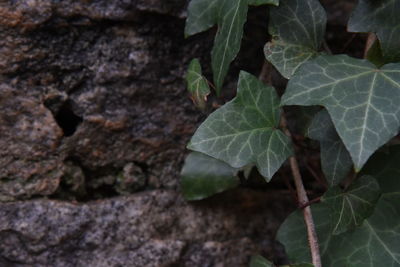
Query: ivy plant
point(356, 221)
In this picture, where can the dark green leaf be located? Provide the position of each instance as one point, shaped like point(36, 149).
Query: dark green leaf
point(374, 54)
point(263, 2)
point(385, 167)
point(203, 176)
point(363, 101)
point(259, 261)
point(352, 206)
point(374, 244)
point(382, 18)
point(197, 84)
point(244, 131)
point(299, 265)
point(232, 17)
point(298, 28)
point(335, 159)
point(202, 15)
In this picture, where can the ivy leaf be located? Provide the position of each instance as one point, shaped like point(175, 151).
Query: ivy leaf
point(375, 55)
point(382, 18)
point(259, 261)
point(232, 17)
point(197, 84)
point(335, 159)
point(244, 131)
point(352, 206)
point(363, 101)
point(202, 15)
point(374, 244)
point(204, 176)
point(297, 28)
point(299, 265)
point(263, 2)
point(385, 167)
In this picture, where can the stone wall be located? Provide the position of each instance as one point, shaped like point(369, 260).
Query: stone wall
point(94, 119)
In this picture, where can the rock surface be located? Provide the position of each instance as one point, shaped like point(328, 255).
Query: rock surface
point(154, 228)
point(93, 105)
point(95, 86)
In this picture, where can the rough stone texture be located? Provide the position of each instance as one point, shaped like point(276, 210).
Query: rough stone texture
point(110, 74)
point(147, 229)
point(29, 137)
point(93, 105)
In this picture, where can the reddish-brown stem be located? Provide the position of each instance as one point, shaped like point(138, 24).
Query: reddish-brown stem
point(302, 198)
point(312, 201)
point(303, 202)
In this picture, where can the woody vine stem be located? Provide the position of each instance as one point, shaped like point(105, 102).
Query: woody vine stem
point(302, 197)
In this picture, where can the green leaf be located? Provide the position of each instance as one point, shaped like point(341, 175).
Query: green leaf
point(363, 101)
point(374, 244)
point(286, 57)
point(244, 131)
point(263, 2)
point(259, 261)
point(203, 176)
point(352, 206)
point(197, 84)
point(335, 159)
point(375, 55)
point(298, 28)
point(299, 265)
point(382, 18)
point(202, 15)
point(232, 17)
point(385, 167)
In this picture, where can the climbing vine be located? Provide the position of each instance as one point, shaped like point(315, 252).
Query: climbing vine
point(356, 222)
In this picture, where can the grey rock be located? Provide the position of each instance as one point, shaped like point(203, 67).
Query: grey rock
point(29, 136)
point(93, 105)
point(154, 228)
point(105, 79)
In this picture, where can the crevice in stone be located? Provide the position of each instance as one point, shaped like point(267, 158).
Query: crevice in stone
point(83, 184)
point(67, 119)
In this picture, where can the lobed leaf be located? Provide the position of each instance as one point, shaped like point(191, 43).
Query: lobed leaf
point(385, 167)
point(382, 18)
point(259, 261)
point(375, 55)
point(374, 244)
point(352, 206)
point(202, 15)
point(298, 28)
point(204, 176)
point(232, 16)
point(263, 2)
point(197, 84)
point(244, 131)
point(335, 159)
point(363, 101)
